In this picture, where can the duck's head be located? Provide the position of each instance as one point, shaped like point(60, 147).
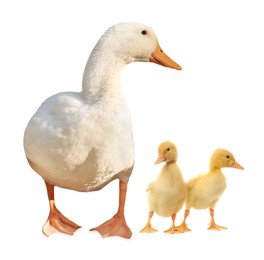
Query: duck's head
point(136, 42)
point(167, 152)
point(222, 158)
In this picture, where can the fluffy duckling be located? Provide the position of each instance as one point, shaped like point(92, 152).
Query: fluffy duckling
point(168, 192)
point(204, 191)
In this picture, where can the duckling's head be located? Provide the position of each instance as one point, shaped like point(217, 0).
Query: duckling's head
point(135, 42)
point(223, 158)
point(167, 153)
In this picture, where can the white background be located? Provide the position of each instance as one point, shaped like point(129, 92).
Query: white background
point(215, 101)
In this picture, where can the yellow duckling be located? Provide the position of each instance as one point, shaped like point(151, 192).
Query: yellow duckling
point(204, 191)
point(168, 192)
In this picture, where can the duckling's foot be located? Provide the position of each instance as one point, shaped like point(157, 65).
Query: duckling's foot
point(148, 229)
point(173, 230)
point(213, 226)
point(116, 226)
point(57, 223)
point(183, 228)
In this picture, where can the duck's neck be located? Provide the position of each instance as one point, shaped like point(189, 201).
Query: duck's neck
point(169, 164)
point(102, 74)
point(214, 169)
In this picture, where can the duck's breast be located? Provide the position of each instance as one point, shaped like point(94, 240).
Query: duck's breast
point(79, 144)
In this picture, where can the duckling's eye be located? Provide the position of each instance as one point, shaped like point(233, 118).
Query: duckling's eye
point(168, 149)
point(227, 157)
point(144, 32)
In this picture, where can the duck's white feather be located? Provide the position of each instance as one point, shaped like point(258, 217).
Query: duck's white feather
point(79, 145)
point(82, 141)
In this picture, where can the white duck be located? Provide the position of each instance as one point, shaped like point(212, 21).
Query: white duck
point(83, 140)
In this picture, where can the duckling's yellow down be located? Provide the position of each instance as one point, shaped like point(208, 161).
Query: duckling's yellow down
point(168, 192)
point(205, 190)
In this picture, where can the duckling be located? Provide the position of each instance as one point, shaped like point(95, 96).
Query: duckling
point(204, 191)
point(168, 192)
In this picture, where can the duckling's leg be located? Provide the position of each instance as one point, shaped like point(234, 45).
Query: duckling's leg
point(148, 228)
point(183, 227)
point(116, 226)
point(56, 222)
point(212, 225)
point(173, 229)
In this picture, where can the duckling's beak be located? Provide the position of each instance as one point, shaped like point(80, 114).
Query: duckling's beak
point(160, 159)
point(159, 57)
point(237, 166)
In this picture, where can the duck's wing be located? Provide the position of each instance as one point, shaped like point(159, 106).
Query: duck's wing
point(59, 130)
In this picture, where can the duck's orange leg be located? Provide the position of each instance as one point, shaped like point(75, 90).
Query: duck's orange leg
point(56, 222)
point(212, 225)
point(116, 226)
point(183, 227)
point(148, 228)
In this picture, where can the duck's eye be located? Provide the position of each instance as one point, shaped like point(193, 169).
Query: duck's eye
point(168, 149)
point(144, 32)
point(227, 157)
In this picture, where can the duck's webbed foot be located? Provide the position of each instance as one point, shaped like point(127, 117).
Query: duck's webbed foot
point(116, 226)
point(57, 223)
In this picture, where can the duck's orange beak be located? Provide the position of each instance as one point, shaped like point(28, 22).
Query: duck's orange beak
point(159, 57)
point(160, 159)
point(237, 166)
